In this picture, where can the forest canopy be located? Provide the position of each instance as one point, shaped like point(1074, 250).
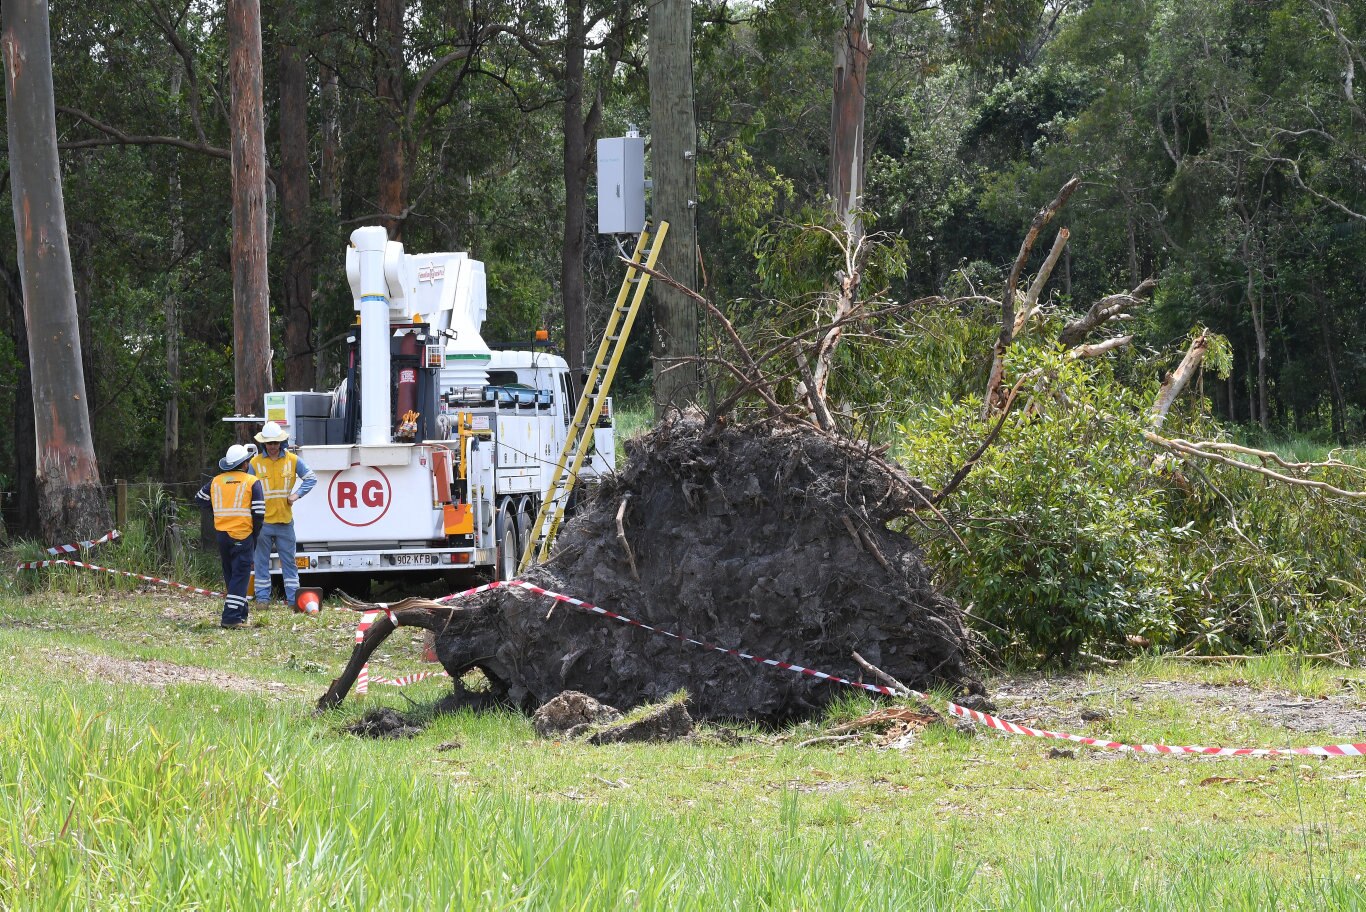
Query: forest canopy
point(1219, 145)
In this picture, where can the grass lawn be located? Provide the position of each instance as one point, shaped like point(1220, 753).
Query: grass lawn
point(149, 759)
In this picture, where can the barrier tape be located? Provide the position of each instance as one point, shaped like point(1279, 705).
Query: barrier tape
point(408, 679)
point(962, 712)
point(85, 545)
point(363, 679)
point(1329, 750)
point(35, 565)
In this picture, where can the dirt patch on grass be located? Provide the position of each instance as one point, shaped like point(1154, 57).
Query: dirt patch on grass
point(1070, 703)
point(155, 673)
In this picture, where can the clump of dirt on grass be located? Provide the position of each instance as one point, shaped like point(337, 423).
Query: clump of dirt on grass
point(385, 723)
point(571, 713)
point(771, 539)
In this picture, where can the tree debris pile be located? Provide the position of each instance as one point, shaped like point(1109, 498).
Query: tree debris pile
point(771, 539)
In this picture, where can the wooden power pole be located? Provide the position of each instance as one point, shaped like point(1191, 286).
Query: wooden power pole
point(673, 166)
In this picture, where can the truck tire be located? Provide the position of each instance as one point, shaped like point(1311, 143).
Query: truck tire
point(509, 554)
point(526, 512)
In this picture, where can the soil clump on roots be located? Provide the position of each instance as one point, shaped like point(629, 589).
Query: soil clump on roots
point(771, 540)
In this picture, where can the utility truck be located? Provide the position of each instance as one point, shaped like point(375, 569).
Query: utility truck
point(434, 452)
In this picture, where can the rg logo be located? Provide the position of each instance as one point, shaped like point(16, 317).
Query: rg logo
point(359, 496)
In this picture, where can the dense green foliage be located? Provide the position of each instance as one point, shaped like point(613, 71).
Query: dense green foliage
point(1077, 534)
point(1219, 141)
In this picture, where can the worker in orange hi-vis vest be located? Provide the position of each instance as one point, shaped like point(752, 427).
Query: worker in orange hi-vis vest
point(239, 510)
point(286, 478)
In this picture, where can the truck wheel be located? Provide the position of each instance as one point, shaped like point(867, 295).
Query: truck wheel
point(508, 552)
point(526, 512)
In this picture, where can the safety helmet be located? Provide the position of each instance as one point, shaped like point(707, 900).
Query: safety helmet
point(237, 454)
point(272, 433)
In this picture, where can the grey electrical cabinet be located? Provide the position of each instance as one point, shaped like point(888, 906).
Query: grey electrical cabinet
point(621, 185)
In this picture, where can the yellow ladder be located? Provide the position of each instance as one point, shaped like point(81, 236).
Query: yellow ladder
point(594, 398)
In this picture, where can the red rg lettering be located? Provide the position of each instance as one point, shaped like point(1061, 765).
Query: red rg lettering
point(372, 494)
point(346, 494)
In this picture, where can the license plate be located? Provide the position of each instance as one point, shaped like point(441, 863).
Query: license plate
point(411, 560)
point(301, 563)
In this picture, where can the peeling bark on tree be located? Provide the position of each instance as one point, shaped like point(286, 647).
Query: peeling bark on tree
point(70, 501)
point(852, 50)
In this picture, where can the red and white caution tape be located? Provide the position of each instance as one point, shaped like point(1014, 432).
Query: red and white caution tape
point(35, 565)
point(1330, 750)
point(408, 679)
point(85, 545)
point(363, 679)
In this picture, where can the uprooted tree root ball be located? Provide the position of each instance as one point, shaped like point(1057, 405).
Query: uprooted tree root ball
point(766, 538)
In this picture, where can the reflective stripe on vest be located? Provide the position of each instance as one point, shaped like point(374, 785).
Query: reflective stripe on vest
point(231, 496)
point(277, 476)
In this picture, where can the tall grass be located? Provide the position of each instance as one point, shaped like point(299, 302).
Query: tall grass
point(107, 801)
point(160, 538)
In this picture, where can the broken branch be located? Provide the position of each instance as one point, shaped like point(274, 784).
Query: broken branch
point(1030, 306)
point(882, 675)
point(1110, 307)
point(998, 356)
point(1176, 381)
point(1187, 448)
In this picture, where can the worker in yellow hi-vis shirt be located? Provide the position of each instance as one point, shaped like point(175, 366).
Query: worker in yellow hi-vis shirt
point(239, 510)
point(286, 478)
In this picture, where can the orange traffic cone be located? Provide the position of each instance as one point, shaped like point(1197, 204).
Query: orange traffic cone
point(308, 600)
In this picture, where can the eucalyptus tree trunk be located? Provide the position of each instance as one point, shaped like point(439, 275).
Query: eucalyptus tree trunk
point(170, 441)
point(1254, 299)
point(294, 205)
point(250, 283)
point(673, 163)
point(329, 174)
point(393, 173)
point(23, 518)
point(1337, 403)
point(852, 50)
point(71, 505)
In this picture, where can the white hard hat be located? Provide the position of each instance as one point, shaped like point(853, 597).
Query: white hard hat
point(237, 454)
point(272, 433)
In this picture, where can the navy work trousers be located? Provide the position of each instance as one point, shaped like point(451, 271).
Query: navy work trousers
point(236, 555)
